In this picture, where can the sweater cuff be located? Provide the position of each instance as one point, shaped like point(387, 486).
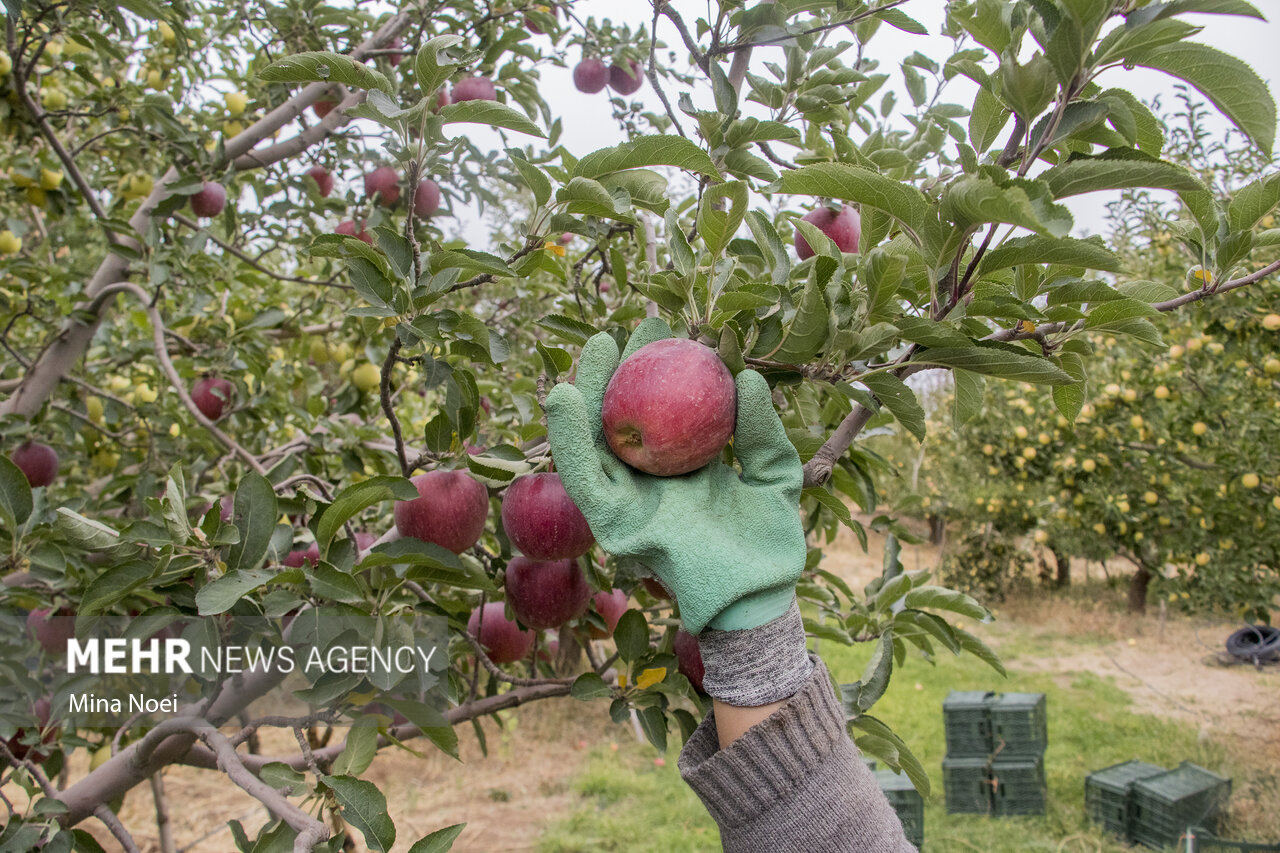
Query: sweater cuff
point(756, 666)
point(774, 758)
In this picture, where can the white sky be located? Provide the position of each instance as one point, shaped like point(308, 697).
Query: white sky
point(588, 124)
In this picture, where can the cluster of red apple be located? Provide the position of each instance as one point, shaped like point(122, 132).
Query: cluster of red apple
point(591, 75)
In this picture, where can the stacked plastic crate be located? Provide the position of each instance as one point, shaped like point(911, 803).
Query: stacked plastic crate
point(995, 753)
point(906, 801)
point(1152, 806)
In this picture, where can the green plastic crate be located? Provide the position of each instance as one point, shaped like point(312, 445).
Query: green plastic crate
point(906, 801)
point(1019, 724)
point(1017, 786)
point(967, 723)
point(1166, 804)
point(1108, 795)
point(967, 782)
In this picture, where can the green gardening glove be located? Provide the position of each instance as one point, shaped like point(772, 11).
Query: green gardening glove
point(729, 546)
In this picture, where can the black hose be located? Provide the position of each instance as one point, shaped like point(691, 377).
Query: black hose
point(1255, 643)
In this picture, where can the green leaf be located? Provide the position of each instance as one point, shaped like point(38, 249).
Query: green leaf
point(534, 178)
point(574, 331)
point(589, 686)
point(588, 197)
point(255, 515)
point(320, 66)
point(431, 71)
point(722, 210)
point(654, 724)
point(647, 188)
point(108, 588)
point(365, 808)
point(1069, 399)
point(774, 249)
point(973, 201)
point(976, 647)
point(1253, 201)
point(993, 361)
point(491, 113)
point(645, 151)
point(968, 400)
point(430, 722)
point(469, 260)
point(1232, 85)
point(359, 750)
point(853, 183)
point(1087, 175)
point(1117, 311)
point(833, 503)
point(808, 332)
point(903, 757)
point(15, 496)
point(941, 598)
point(875, 678)
point(355, 499)
point(440, 841)
point(631, 635)
point(1065, 251)
point(899, 399)
point(986, 121)
point(221, 594)
point(85, 532)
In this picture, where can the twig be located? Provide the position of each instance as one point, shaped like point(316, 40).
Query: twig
point(104, 813)
point(248, 259)
point(384, 393)
point(734, 48)
point(162, 813)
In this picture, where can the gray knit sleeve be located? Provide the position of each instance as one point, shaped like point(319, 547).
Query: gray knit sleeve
point(793, 782)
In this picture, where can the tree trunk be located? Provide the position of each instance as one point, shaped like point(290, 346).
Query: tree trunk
point(937, 530)
point(1064, 568)
point(1138, 590)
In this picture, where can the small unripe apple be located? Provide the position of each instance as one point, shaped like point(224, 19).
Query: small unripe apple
point(543, 521)
point(384, 183)
point(236, 103)
point(843, 227)
point(426, 198)
point(324, 180)
point(501, 638)
point(450, 510)
point(670, 408)
point(50, 179)
point(366, 377)
point(546, 593)
point(350, 229)
point(212, 395)
point(610, 605)
point(10, 243)
point(209, 201)
point(52, 629)
point(38, 462)
point(590, 75)
point(474, 89)
point(690, 658)
point(53, 99)
point(626, 79)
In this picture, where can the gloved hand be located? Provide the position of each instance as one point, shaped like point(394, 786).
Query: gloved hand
point(729, 546)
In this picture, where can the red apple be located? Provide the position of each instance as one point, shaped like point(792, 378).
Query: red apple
point(450, 510)
point(566, 238)
point(426, 198)
point(501, 638)
point(384, 183)
point(323, 107)
point(670, 408)
point(590, 75)
point(656, 589)
point(364, 541)
point(844, 229)
point(441, 99)
point(226, 508)
point(52, 629)
point(308, 556)
point(543, 521)
point(474, 89)
point(212, 395)
point(42, 709)
point(690, 658)
point(324, 180)
point(546, 593)
point(350, 229)
point(39, 462)
point(610, 606)
point(209, 201)
point(626, 79)
point(394, 58)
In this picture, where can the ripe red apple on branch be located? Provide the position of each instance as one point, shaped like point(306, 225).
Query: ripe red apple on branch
point(209, 201)
point(38, 462)
point(350, 229)
point(501, 638)
point(426, 198)
point(690, 658)
point(323, 107)
point(844, 227)
point(212, 395)
point(450, 510)
point(670, 408)
point(42, 709)
point(324, 180)
point(590, 75)
point(546, 593)
point(52, 628)
point(385, 184)
point(626, 79)
point(308, 556)
point(543, 521)
point(610, 605)
point(474, 89)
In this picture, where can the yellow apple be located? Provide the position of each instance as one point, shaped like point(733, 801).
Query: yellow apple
point(1271, 365)
point(1100, 529)
point(1275, 502)
point(1151, 498)
point(1271, 322)
point(1250, 481)
point(988, 450)
point(236, 103)
point(144, 393)
point(1029, 453)
point(53, 99)
point(1130, 395)
point(1199, 427)
point(155, 80)
point(232, 128)
point(1089, 466)
point(1123, 506)
point(1202, 559)
point(1020, 432)
point(366, 377)
point(1042, 536)
point(50, 179)
point(10, 243)
point(6, 64)
point(1161, 392)
point(1195, 344)
point(36, 197)
point(1043, 438)
point(94, 409)
point(166, 32)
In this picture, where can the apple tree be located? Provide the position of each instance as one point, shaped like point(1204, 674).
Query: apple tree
point(233, 307)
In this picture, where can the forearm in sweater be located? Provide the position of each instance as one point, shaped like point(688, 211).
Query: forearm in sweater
point(793, 782)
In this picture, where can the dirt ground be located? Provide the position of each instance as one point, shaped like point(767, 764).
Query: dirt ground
point(1165, 663)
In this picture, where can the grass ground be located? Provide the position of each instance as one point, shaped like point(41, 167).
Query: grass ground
point(630, 804)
